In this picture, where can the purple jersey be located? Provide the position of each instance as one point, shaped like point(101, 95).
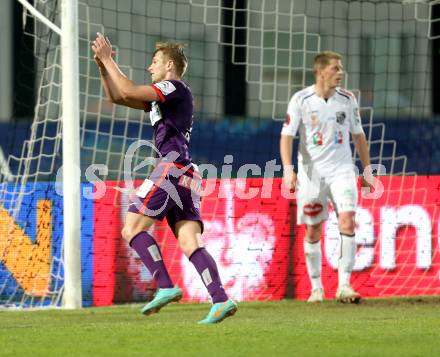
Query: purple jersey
point(172, 119)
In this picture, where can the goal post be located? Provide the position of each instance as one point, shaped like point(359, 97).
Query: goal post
point(71, 154)
point(72, 296)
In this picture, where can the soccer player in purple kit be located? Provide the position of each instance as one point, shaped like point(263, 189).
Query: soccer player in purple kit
point(170, 103)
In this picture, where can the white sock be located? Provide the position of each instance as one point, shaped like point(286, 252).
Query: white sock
point(312, 252)
point(346, 259)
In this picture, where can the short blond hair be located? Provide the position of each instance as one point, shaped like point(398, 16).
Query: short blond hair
point(322, 59)
point(174, 52)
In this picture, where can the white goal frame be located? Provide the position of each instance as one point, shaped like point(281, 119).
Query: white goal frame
point(72, 295)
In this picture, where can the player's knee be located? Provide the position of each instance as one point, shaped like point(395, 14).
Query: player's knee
point(347, 226)
point(313, 233)
point(185, 246)
point(313, 238)
point(128, 233)
point(188, 245)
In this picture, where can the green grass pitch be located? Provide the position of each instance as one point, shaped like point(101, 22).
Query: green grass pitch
point(393, 327)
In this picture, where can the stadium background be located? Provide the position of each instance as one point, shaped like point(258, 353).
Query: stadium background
point(390, 60)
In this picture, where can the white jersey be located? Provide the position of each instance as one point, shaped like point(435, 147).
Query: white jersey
point(324, 128)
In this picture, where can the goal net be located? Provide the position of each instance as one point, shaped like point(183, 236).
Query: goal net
point(247, 58)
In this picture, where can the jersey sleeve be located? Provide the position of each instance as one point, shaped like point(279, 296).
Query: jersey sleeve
point(168, 90)
point(355, 117)
point(293, 117)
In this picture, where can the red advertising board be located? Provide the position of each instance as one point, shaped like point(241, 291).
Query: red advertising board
point(259, 250)
point(248, 238)
point(397, 236)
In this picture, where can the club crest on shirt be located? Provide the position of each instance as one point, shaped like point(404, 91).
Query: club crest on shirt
point(314, 119)
point(340, 117)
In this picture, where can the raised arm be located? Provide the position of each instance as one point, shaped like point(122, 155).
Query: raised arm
point(118, 87)
point(110, 90)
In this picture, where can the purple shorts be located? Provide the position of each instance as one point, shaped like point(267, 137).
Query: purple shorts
point(171, 191)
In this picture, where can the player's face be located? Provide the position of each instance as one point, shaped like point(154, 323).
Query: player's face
point(158, 67)
point(333, 73)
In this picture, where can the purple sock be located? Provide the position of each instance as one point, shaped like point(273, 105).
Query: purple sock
point(149, 252)
point(207, 269)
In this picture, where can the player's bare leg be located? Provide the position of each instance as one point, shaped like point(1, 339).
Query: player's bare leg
point(189, 235)
point(313, 257)
point(134, 224)
point(345, 292)
point(135, 232)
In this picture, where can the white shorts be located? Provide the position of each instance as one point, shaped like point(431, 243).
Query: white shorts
point(314, 193)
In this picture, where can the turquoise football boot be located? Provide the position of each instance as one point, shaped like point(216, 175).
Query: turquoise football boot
point(162, 298)
point(219, 312)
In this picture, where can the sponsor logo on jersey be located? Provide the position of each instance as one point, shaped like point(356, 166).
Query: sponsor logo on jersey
point(338, 137)
point(317, 138)
point(340, 117)
point(155, 113)
point(286, 120)
point(314, 119)
point(166, 87)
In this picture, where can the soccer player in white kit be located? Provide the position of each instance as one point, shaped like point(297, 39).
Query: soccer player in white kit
point(325, 114)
